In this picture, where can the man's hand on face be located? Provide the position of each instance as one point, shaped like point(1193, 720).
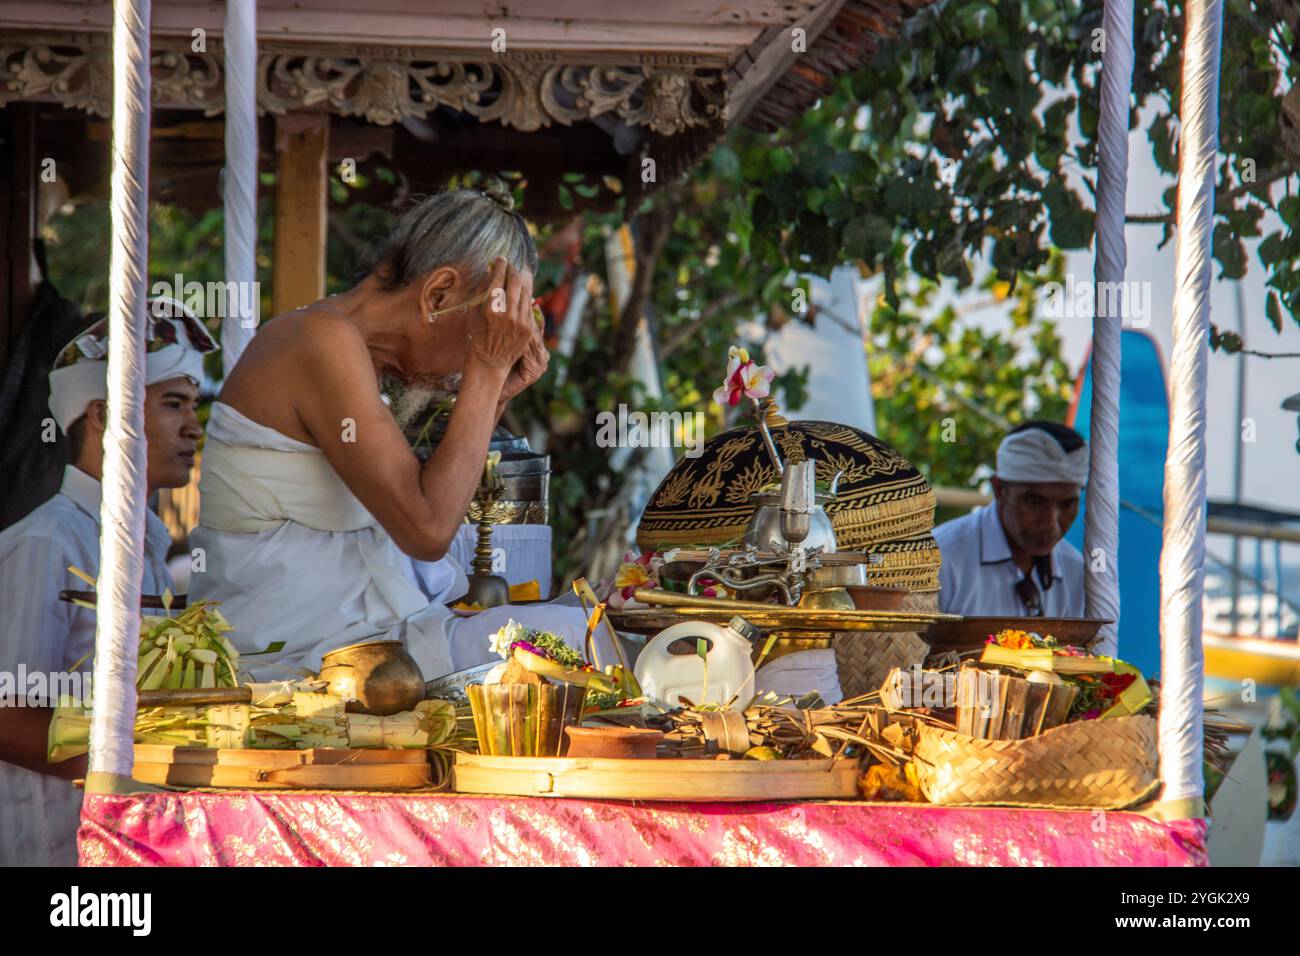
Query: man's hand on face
point(530, 367)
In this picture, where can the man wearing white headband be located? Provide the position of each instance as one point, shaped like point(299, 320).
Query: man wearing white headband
point(1010, 558)
point(39, 634)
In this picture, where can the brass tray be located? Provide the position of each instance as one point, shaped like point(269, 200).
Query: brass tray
point(672, 608)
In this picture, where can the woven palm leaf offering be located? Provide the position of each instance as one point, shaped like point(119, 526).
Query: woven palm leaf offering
point(288, 715)
point(1034, 722)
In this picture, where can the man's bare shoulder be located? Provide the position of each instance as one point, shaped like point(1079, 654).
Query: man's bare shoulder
point(312, 332)
point(300, 346)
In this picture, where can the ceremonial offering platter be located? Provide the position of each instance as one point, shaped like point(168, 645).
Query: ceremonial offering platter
point(362, 723)
point(675, 607)
point(454, 687)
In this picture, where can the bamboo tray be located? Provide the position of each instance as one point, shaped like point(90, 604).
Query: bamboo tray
point(282, 769)
point(695, 781)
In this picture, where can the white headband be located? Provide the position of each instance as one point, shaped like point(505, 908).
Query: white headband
point(74, 387)
point(1034, 455)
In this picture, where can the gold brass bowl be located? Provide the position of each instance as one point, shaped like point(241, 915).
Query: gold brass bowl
point(378, 678)
point(831, 599)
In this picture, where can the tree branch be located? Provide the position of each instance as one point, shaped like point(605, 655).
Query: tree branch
point(654, 227)
point(1222, 202)
point(687, 332)
point(1267, 355)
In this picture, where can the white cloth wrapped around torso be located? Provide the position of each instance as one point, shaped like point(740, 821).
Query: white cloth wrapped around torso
point(294, 556)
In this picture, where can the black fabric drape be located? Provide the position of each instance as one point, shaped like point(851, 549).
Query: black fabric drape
point(31, 469)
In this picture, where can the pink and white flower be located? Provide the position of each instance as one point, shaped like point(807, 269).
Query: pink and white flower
point(745, 379)
point(635, 573)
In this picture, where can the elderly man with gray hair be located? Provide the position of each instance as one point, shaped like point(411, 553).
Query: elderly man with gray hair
point(1010, 557)
point(313, 503)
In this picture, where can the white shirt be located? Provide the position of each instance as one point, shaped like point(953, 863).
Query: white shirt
point(978, 577)
point(39, 814)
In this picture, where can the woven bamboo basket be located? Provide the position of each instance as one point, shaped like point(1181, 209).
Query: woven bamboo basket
point(911, 563)
point(863, 660)
point(1095, 764)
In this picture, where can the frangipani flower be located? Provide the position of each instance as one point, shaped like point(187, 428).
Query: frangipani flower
point(633, 574)
point(636, 572)
point(745, 379)
point(509, 635)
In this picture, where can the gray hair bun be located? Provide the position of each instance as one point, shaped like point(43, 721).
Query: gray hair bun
point(501, 194)
point(456, 228)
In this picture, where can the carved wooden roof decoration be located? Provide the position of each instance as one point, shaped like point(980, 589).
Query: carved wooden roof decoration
point(527, 91)
point(665, 78)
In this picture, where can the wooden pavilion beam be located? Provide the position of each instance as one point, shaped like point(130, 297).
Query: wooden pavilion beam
point(301, 193)
point(719, 29)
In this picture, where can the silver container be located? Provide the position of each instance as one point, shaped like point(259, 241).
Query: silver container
point(452, 686)
point(764, 528)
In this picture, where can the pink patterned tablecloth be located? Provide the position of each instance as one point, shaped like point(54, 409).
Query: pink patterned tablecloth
point(241, 828)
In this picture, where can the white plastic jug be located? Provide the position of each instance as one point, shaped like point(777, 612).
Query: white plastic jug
point(664, 676)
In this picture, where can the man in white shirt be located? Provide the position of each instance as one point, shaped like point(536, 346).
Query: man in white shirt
point(39, 634)
point(1010, 557)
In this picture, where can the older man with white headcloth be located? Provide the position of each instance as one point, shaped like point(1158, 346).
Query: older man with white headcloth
point(1010, 557)
point(41, 635)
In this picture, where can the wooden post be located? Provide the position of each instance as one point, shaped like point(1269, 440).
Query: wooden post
point(301, 193)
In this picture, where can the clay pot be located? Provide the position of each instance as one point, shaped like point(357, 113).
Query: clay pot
point(620, 743)
point(877, 598)
point(378, 678)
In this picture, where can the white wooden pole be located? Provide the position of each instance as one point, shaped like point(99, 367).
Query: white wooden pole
point(1101, 531)
point(240, 188)
point(1182, 559)
point(122, 514)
